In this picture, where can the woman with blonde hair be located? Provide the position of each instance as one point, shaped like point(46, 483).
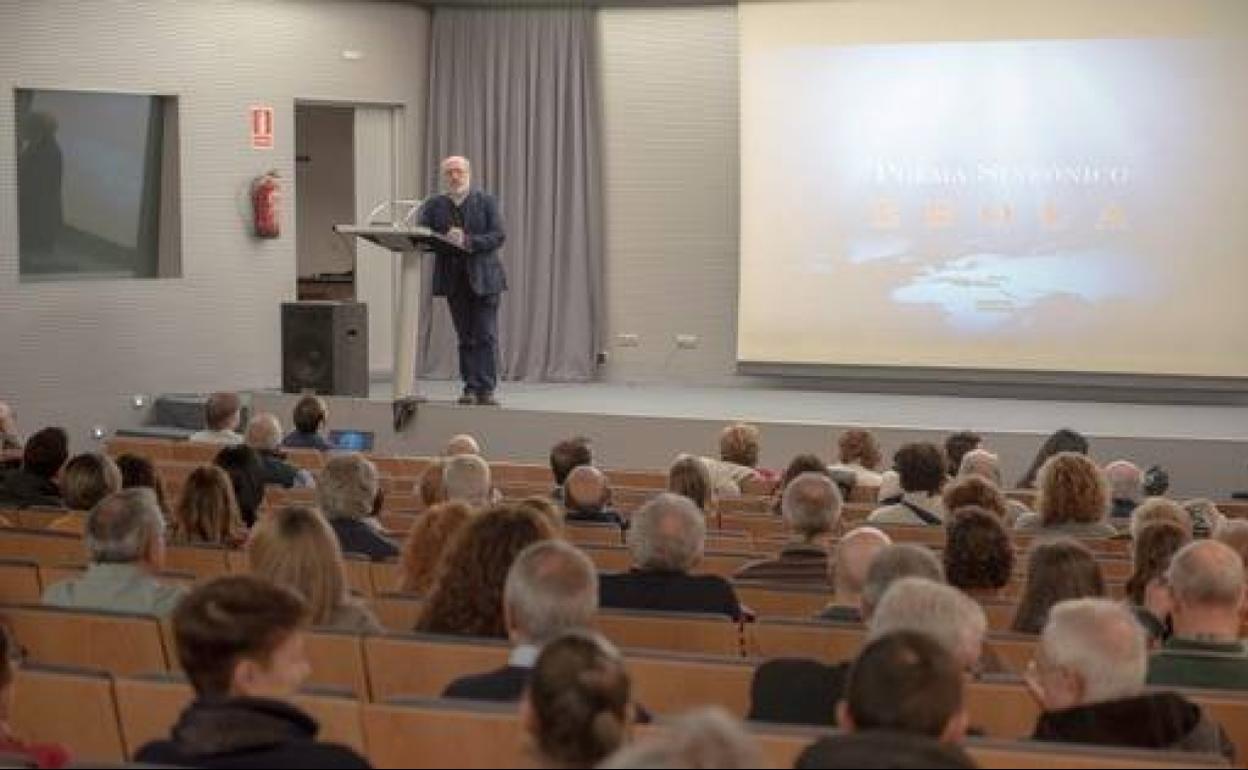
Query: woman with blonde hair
point(296, 548)
point(207, 511)
point(429, 537)
point(1073, 499)
point(859, 452)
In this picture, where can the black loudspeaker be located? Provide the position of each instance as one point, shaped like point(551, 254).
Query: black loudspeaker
point(325, 348)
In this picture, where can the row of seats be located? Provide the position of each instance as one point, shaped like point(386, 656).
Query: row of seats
point(107, 718)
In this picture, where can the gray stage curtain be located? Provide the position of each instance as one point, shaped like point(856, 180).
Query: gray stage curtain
point(516, 91)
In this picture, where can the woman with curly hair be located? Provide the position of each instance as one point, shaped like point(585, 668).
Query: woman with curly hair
point(1057, 570)
point(1073, 499)
point(979, 557)
point(424, 546)
point(467, 597)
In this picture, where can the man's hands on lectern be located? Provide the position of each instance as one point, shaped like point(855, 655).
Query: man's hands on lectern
point(456, 236)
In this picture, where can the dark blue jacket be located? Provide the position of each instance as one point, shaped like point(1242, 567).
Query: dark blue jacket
point(483, 226)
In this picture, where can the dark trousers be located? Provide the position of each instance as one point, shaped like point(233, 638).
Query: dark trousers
point(475, 317)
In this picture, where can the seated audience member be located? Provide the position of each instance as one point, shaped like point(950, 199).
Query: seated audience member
point(1057, 570)
point(587, 498)
point(246, 473)
point(812, 509)
point(705, 737)
point(34, 483)
point(461, 444)
point(942, 612)
point(564, 457)
point(1234, 534)
point(430, 486)
point(466, 479)
point(467, 597)
point(138, 471)
point(126, 541)
point(1088, 677)
point(666, 541)
point(1206, 585)
point(223, 411)
point(979, 557)
point(921, 473)
point(1157, 509)
point(1151, 552)
point(735, 472)
point(848, 572)
point(1156, 481)
point(804, 463)
point(859, 452)
point(978, 492)
point(10, 436)
point(1126, 488)
point(689, 477)
point(956, 447)
point(86, 480)
point(310, 417)
point(904, 707)
point(264, 434)
point(986, 465)
point(16, 750)
point(578, 706)
point(1073, 500)
point(1063, 440)
point(552, 588)
point(1205, 516)
point(546, 508)
point(240, 641)
point(295, 548)
point(428, 539)
point(805, 692)
point(207, 512)
point(346, 494)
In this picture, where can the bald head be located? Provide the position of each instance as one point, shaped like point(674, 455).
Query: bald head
point(1207, 574)
point(585, 489)
point(853, 557)
point(462, 444)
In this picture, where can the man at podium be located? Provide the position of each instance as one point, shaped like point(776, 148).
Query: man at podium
point(470, 282)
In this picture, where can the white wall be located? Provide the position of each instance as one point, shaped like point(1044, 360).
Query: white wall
point(670, 113)
point(71, 353)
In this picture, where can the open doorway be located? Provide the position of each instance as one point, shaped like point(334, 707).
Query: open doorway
point(325, 187)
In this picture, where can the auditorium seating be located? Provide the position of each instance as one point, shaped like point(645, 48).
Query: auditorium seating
point(118, 643)
point(67, 705)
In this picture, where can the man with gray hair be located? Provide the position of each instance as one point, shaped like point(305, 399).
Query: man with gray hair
point(666, 540)
point(942, 612)
point(264, 434)
point(811, 505)
point(461, 444)
point(852, 558)
point(1206, 586)
point(125, 534)
point(1088, 677)
point(347, 496)
point(1126, 487)
point(466, 479)
point(551, 588)
point(806, 692)
point(704, 737)
point(587, 498)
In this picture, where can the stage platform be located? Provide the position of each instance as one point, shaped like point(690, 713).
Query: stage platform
point(1205, 448)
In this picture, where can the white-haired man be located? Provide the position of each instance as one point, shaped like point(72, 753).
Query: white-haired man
point(264, 434)
point(848, 572)
point(468, 272)
point(1088, 677)
point(1126, 488)
point(811, 505)
point(1206, 586)
point(551, 588)
point(466, 479)
point(666, 539)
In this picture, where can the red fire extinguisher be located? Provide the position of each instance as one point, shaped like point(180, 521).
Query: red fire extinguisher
point(265, 198)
